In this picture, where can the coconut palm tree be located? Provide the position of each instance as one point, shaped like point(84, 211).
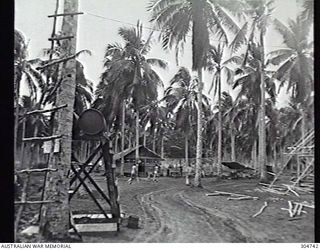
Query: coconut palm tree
point(51, 68)
point(218, 66)
point(308, 10)
point(129, 75)
point(295, 64)
point(246, 116)
point(181, 99)
point(230, 112)
point(154, 117)
point(23, 67)
point(252, 33)
point(176, 19)
point(248, 82)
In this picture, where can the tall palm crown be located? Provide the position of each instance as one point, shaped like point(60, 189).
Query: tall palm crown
point(248, 78)
point(25, 67)
point(217, 65)
point(128, 73)
point(257, 18)
point(176, 18)
point(181, 99)
point(295, 64)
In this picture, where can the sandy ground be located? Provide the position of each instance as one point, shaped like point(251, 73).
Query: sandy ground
point(170, 211)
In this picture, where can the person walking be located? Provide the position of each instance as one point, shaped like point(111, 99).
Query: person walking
point(133, 173)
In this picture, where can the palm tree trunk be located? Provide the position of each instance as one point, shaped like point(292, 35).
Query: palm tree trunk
point(254, 156)
point(122, 136)
point(54, 223)
point(186, 150)
point(262, 124)
point(303, 124)
point(116, 143)
point(162, 146)
point(137, 136)
point(197, 178)
point(219, 127)
point(233, 145)
point(130, 140)
point(18, 76)
point(154, 141)
point(275, 155)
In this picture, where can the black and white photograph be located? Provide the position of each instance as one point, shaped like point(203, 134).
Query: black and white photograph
point(164, 121)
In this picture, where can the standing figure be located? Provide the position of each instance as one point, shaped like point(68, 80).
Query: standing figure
point(181, 170)
point(155, 173)
point(188, 175)
point(133, 173)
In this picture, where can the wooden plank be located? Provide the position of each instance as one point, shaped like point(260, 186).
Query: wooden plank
point(41, 111)
point(217, 193)
point(44, 138)
point(97, 227)
point(36, 170)
point(33, 202)
point(53, 62)
point(60, 38)
point(66, 14)
point(243, 198)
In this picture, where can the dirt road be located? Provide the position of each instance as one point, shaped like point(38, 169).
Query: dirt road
point(169, 212)
point(170, 217)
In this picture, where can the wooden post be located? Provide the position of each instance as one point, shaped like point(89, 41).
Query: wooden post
point(144, 139)
point(54, 223)
point(110, 176)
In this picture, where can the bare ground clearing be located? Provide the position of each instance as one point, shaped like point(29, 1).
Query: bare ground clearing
point(169, 211)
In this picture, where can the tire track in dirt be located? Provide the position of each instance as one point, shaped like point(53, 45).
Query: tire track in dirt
point(170, 225)
point(168, 216)
point(241, 229)
point(151, 223)
point(194, 225)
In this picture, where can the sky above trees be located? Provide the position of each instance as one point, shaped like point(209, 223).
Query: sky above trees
point(99, 26)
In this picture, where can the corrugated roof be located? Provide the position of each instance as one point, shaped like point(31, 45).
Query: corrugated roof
point(130, 153)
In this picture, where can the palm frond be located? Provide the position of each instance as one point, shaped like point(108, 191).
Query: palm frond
point(239, 39)
point(288, 36)
point(157, 5)
point(157, 62)
point(226, 20)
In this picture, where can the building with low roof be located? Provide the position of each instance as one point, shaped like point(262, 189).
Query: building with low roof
point(147, 160)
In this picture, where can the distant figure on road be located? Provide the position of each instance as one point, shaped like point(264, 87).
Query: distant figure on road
point(188, 175)
point(155, 173)
point(134, 171)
